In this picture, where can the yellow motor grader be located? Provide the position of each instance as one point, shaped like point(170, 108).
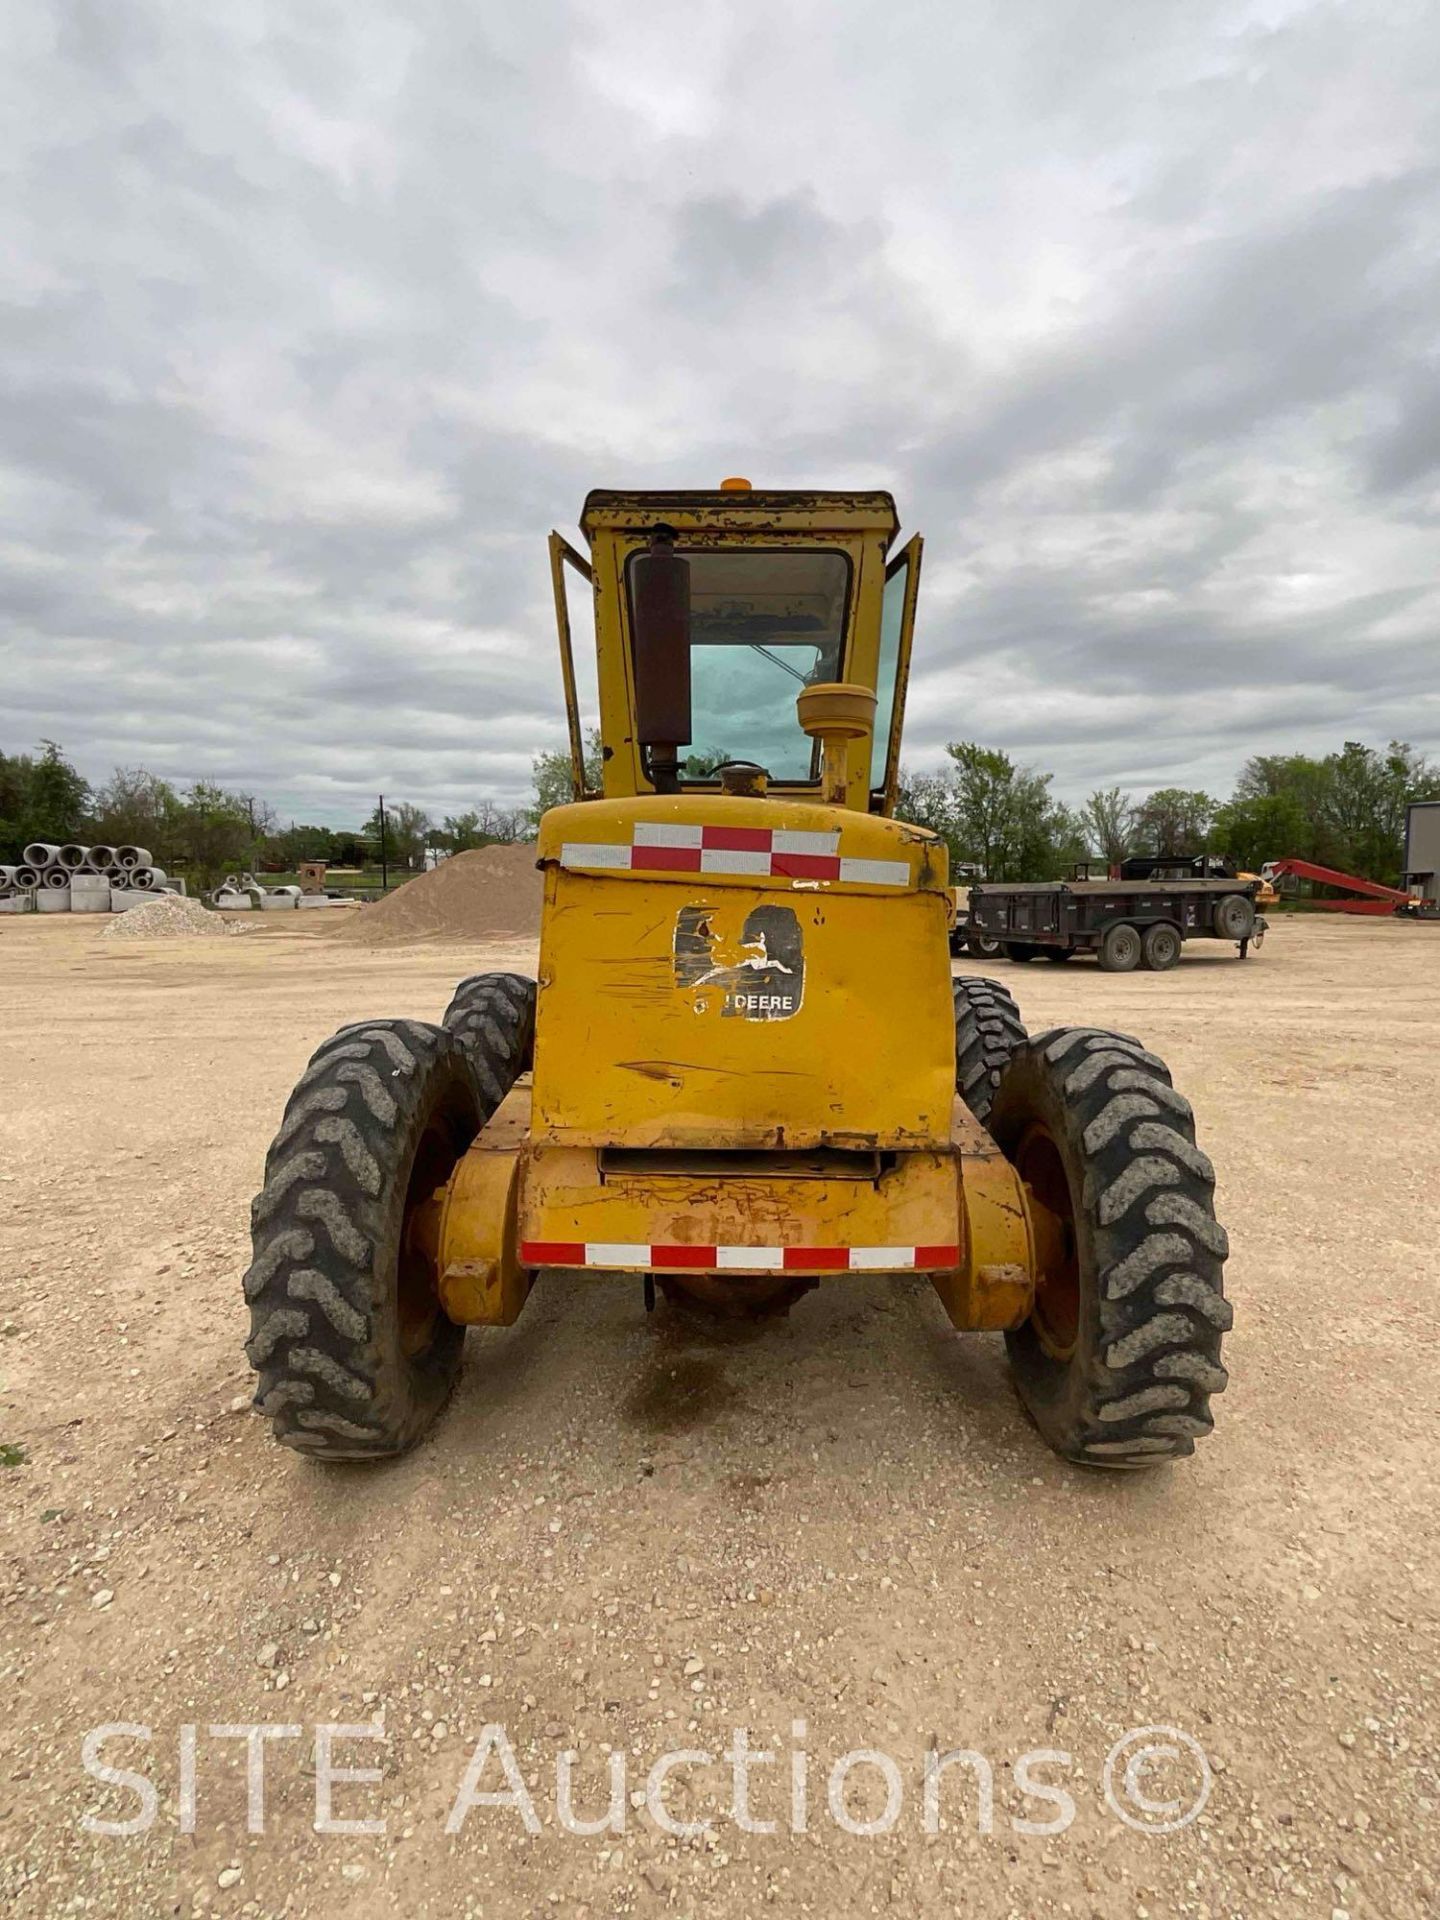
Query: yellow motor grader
point(745, 1069)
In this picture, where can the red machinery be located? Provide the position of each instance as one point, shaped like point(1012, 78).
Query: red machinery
point(1373, 898)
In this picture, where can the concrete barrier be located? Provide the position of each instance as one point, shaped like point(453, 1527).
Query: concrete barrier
point(53, 899)
point(89, 893)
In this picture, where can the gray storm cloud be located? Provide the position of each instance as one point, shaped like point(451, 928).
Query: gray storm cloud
point(315, 319)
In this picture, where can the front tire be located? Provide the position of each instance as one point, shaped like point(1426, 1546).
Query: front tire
point(493, 1017)
point(354, 1353)
point(1121, 1354)
point(988, 1029)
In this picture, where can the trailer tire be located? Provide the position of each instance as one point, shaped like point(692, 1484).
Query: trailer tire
point(1234, 917)
point(354, 1353)
point(1160, 947)
point(1117, 1363)
point(1019, 951)
point(1120, 949)
point(988, 1029)
point(982, 947)
point(1057, 954)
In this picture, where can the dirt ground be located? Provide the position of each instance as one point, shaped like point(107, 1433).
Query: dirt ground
point(632, 1535)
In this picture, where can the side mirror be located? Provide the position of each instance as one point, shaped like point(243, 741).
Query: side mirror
point(660, 610)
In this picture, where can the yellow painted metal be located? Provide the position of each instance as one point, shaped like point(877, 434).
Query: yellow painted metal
point(481, 1280)
point(908, 560)
point(861, 525)
point(993, 1287)
point(627, 1055)
point(563, 555)
point(569, 1194)
point(510, 1189)
point(674, 1107)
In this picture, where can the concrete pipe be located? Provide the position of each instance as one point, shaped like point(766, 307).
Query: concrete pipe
point(74, 858)
point(7, 877)
point(101, 859)
point(131, 857)
point(52, 879)
point(40, 853)
point(27, 878)
point(149, 879)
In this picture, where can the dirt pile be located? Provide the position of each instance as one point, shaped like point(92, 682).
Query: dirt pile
point(490, 893)
point(167, 917)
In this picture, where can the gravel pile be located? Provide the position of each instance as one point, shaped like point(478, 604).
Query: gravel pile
point(170, 915)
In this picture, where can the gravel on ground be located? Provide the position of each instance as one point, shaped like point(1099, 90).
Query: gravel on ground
point(630, 1535)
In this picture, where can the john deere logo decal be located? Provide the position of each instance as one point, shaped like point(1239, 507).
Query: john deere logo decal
point(751, 971)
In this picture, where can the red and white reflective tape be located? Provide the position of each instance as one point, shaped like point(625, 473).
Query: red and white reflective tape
point(770, 852)
point(654, 1257)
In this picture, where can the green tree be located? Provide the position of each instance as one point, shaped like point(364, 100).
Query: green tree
point(460, 832)
point(14, 785)
point(1005, 819)
point(1174, 820)
point(554, 781)
point(41, 798)
point(408, 831)
point(1109, 819)
point(137, 808)
point(1265, 827)
point(214, 832)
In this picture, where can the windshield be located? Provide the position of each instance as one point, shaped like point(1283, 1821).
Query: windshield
point(763, 624)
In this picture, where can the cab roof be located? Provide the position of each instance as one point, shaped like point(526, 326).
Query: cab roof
point(796, 510)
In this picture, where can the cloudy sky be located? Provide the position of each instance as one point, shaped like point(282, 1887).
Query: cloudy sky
point(317, 317)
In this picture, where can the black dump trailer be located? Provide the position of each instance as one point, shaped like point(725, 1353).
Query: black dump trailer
point(1127, 923)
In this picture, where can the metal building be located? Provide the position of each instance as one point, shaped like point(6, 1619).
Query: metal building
point(1422, 849)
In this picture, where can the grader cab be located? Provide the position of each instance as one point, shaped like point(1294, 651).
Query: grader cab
point(745, 1069)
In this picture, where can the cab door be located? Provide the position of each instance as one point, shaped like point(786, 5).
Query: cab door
point(563, 555)
point(897, 632)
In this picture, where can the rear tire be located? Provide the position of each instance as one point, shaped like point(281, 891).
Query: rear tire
point(354, 1354)
point(1121, 1354)
point(1020, 951)
point(988, 1029)
point(1058, 954)
point(1120, 949)
point(1160, 948)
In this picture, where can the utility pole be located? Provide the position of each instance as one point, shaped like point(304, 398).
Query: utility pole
point(384, 856)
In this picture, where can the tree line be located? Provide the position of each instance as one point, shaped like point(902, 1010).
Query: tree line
point(1344, 809)
point(999, 818)
point(206, 830)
